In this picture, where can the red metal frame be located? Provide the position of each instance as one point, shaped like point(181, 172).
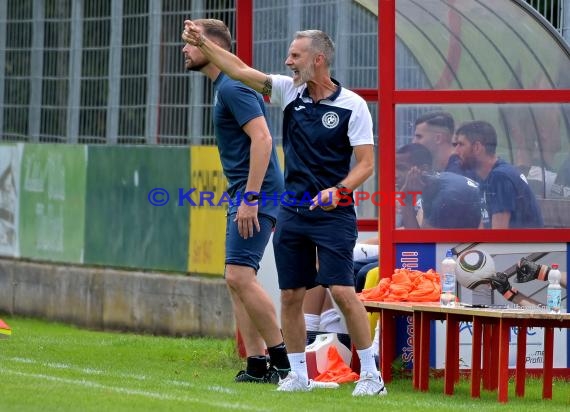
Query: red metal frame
point(244, 30)
point(387, 98)
point(387, 128)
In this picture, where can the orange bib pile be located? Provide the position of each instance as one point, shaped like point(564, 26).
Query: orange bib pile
point(405, 285)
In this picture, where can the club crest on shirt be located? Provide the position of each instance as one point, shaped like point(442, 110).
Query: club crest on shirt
point(330, 120)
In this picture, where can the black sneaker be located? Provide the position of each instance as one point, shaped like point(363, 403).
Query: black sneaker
point(274, 375)
point(243, 376)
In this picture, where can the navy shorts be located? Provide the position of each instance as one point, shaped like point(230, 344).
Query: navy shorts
point(247, 252)
point(301, 234)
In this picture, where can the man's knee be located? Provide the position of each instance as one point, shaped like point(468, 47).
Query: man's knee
point(239, 276)
point(291, 298)
point(343, 296)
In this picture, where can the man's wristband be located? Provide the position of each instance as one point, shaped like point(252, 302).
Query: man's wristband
point(543, 272)
point(252, 196)
point(343, 190)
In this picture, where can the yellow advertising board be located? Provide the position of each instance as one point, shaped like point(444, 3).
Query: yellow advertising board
point(207, 220)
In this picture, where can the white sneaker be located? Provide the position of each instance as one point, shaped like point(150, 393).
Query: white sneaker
point(292, 383)
point(368, 384)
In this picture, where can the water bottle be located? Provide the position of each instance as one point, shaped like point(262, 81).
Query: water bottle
point(448, 284)
point(554, 290)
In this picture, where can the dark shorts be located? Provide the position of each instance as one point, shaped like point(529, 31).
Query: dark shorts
point(247, 252)
point(361, 269)
point(301, 234)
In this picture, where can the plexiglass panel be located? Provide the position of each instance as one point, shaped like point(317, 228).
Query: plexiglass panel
point(516, 155)
point(479, 44)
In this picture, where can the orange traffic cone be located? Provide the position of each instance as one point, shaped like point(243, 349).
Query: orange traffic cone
point(5, 330)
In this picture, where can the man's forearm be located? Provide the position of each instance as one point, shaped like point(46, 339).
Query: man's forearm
point(226, 61)
point(260, 153)
point(358, 175)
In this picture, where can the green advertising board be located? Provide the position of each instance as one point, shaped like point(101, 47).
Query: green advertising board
point(123, 227)
point(52, 202)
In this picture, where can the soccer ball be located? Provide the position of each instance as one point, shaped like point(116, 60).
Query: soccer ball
point(474, 268)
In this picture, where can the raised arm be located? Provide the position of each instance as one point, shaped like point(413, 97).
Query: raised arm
point(226, 61)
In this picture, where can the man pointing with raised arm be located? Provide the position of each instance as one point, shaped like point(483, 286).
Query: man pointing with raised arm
point(323, 125)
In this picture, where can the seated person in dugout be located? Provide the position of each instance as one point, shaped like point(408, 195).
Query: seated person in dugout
point(365, 259)
point(321, 315)
point(447, 200)
point(435, 130)
point(507, 201)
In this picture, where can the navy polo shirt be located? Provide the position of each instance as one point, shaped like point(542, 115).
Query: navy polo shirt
point(318, 137)
point(234, 105)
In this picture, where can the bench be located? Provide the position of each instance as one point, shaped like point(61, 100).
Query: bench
point(490, 344)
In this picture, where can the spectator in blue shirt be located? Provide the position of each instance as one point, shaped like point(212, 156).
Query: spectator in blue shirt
point(507, 200)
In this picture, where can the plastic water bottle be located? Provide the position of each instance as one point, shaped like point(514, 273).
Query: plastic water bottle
point(448, 283)
point(554, 290)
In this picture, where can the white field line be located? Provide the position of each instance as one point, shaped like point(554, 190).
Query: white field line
point(87, 371)
point(147, 394)
point(99, 372)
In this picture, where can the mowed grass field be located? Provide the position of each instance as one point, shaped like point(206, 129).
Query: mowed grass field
point(48, 366)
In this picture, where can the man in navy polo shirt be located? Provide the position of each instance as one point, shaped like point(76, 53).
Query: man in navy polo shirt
point(507, 199)
point(323, 125)
point(250, 165)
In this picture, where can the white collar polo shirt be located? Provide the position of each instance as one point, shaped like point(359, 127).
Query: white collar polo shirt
point(318, 137)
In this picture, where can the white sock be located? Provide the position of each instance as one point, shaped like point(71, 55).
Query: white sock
point(367, 362)
point(312, 322)
point(331, 322)
point(376, 341)
point(298, 363)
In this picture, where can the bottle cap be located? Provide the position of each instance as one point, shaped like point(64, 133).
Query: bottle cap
point(449, 253)
point(554, 266)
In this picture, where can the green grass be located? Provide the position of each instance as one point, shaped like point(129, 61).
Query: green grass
point(53, 367)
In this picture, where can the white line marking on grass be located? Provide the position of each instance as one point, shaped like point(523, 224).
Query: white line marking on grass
point(148, 394)
point(181, 383)
point(98, 372)
point(215, 388)
point(218, 388)
point(22, 360)
point(87, 371)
